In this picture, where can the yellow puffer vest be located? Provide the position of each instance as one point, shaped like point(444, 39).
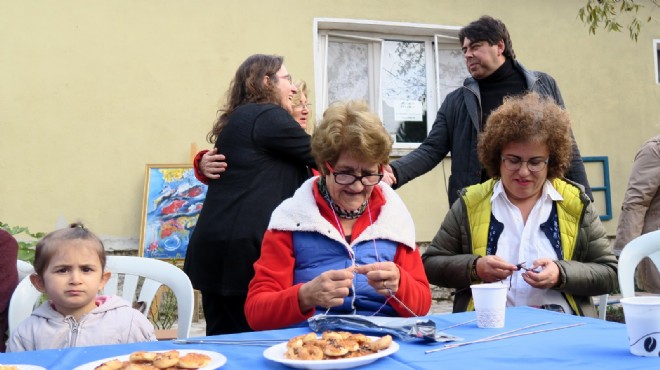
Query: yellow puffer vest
point(569, 212)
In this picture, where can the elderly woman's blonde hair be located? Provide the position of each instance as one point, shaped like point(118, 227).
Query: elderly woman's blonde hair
point(351, 128)
point(297, 97)
point(529, 117)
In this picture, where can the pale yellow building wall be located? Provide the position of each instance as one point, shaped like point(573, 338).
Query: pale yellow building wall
point(91, 91)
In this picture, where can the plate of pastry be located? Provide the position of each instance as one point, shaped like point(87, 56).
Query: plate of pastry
point(331, 350)
point(173, 359)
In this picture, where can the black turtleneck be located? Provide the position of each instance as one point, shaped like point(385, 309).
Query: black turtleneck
point(505, 81)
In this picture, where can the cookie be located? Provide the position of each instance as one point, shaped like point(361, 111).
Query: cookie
point(193, 360)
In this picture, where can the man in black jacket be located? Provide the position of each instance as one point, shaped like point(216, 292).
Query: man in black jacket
point(496, 73)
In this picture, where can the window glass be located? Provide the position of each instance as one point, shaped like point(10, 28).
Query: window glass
point(348, 71)
point(403, 88)
point(452, 71)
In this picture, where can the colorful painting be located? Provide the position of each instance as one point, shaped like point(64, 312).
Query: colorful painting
point(173, 199)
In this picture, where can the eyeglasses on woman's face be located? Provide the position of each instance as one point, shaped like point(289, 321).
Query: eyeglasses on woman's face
point(285, 77)
point(343, 178)
point(302, 106)
point(536, 164)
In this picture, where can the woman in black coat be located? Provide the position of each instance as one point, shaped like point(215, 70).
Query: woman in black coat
point(268, 153)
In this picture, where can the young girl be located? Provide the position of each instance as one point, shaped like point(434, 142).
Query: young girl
point(70, 269)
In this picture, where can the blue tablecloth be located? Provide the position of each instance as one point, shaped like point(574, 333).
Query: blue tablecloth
point(596, 345)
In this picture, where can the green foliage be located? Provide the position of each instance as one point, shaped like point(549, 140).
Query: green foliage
point(606, 14)
point(26, 239)
point(615, 313)
point(163, 313)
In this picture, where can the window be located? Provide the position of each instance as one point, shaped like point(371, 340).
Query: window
point(656, 48)
point(402, 70)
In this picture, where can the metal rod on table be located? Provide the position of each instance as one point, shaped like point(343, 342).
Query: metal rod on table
point(238, 342)
point(453, 326)
point(500, 336)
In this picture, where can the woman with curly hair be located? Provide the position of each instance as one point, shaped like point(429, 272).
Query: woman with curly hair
point(527, 227)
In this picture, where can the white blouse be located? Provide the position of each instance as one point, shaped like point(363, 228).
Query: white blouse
point(526, 242)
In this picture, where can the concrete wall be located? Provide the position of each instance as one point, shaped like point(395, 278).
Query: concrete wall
point(91, 91)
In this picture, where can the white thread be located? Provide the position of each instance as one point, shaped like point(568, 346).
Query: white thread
point(388, 289)
point(350, 251)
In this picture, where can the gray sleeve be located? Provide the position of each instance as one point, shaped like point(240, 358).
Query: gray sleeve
point(429, 153)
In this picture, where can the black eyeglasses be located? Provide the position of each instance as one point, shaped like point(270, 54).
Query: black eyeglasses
point(350, 179)
point(533, 164)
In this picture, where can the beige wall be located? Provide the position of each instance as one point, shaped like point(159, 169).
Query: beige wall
point(91, 91)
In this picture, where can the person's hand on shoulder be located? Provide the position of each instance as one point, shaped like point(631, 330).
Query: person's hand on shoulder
point(388, 175)
point(212, 164)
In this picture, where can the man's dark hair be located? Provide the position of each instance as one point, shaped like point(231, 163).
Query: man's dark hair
point(490, 30)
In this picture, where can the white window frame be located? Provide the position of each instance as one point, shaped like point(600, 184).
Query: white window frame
point(371, 30)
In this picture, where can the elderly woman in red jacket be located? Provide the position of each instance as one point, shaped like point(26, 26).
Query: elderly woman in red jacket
point(345, 242)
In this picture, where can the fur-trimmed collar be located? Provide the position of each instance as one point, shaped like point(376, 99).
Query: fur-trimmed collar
point(301, 213)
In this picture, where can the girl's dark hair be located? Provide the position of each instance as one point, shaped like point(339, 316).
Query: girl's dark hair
point(47, 246)
point(490, 30)
point(248, 87)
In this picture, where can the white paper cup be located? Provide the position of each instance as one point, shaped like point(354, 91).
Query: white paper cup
point(643, 323)
point(490, 304)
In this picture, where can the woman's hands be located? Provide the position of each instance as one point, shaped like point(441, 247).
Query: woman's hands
point(326, 290)
point(494, 268)
point(382, 276)
point(331, 287)
point(546, 278)
point(544, 274)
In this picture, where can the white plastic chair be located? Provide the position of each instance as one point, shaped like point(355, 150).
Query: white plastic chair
point(155, 273)
point(646, 245)
point(22, 302)
point(24, 269)
point(602, 306)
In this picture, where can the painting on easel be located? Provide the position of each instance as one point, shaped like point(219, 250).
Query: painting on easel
point(173, 199)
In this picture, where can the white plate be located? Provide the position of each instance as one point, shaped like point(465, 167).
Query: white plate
point(25, 367)
point(276, 353)
point(217, 359)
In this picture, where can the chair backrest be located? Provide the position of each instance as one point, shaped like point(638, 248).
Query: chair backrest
point(22, 302)
point(154, 273)
point(602, 306)
point(24, 269)
point(646, 245)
